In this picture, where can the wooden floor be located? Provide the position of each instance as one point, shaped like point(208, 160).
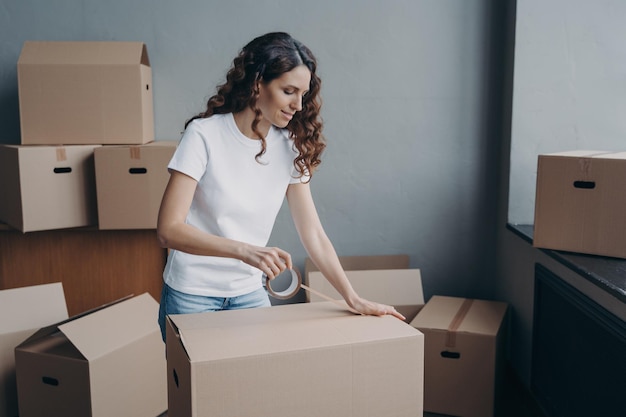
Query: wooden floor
point(517, 401)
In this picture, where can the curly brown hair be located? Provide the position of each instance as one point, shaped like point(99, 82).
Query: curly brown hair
point(264, 59)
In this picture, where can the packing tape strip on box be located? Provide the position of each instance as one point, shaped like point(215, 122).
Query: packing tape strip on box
point(294, 287)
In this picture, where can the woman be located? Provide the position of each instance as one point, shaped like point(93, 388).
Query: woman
point(258, 140)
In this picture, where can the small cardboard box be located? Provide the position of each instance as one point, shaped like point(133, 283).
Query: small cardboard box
point(85, 93)
point(401, 288)
point(47, 187)
point(464, 352)
point(24, 310)
point(105, 362)
point(579, 205)
point(305, 360)
point(130, 181)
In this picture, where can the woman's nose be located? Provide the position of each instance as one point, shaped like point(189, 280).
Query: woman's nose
point(297, 103)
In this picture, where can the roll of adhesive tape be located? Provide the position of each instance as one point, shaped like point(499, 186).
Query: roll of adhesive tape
point(294, 286)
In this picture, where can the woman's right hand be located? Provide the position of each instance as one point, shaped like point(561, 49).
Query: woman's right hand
point(271, 260)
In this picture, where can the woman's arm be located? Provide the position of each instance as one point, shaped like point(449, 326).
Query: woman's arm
point(174, 233)
point(322, 252)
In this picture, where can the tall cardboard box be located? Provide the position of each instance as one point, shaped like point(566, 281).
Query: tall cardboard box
point(579, 205)
point(401, 288)
point(305, 360)
point(23, 311)
point(130, 181)
point(85, 93)
point(47, 187)
point(464, 344)
point(106, 362)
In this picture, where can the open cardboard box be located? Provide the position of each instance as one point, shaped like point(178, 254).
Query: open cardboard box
point(106, 362)
point(465, 349)
point(23, 311)
point(401, 288)
point(85, 93)
point(305, 360)
point(130, 181)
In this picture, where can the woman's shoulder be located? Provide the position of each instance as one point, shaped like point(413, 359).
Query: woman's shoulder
point(216, 121)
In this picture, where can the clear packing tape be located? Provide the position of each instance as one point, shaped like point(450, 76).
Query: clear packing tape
point(294, 287)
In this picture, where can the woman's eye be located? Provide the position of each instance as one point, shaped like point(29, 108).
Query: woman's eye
point(288, 92)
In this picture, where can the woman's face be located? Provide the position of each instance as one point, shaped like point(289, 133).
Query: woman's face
point(282, 97)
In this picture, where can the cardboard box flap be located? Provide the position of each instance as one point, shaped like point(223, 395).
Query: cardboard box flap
point(111, 328)
point(581, 153)
point(465, 315)
point(389, 286)
point(83, 53)
point(28, 307)
point(283, 332)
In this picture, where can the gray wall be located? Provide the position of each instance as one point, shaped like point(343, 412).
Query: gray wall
point(565, 90)
point(406, 89)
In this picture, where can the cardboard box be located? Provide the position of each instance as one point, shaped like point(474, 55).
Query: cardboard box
point(401, 288)
point(105, 362)
point(464, 344)
point(23, 311)
point(130, 181)
point(363, 262)
point(47, 187)
point(305, 360)
point(579, 205)
point(85, 93)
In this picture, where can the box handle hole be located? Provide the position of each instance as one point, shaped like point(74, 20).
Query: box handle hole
point(50, 381)
point(62, 170)
point(138, 170)
point(450, 355)
point(585, 185)
point(175, 377)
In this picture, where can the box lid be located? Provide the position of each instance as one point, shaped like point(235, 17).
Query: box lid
point(31, 307)
point(83, 52)
point(285, 328)
point(108, 329)
point(389, 286)
point(462, 315)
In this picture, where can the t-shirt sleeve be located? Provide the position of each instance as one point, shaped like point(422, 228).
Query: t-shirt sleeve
point(191, 155)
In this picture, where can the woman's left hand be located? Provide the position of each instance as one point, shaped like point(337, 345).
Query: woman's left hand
point(371, 308)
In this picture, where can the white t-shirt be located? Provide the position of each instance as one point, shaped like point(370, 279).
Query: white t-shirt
point(236, 197)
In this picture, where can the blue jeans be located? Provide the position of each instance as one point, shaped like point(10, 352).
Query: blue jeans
point(176, 302)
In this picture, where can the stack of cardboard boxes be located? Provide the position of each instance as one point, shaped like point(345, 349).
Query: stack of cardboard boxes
point(87, 158)
point(87, 153)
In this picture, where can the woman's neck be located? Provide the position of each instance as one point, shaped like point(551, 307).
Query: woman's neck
point(244, 119)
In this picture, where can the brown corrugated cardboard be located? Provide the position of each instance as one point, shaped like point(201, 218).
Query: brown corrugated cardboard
point(305, 360)
point(47, 187)
point(23, 311)
point(85, 93)
point(464, 348)
point(579, 205)
point(401, 288)
point(130, 181)
point(106, 362)
point(363, 262)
